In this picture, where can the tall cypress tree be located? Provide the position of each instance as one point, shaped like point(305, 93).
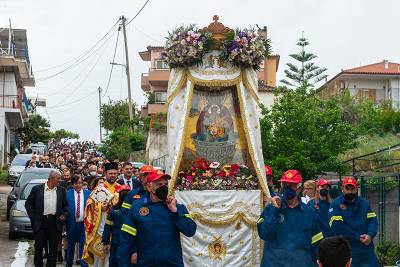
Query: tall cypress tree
point(305, 75)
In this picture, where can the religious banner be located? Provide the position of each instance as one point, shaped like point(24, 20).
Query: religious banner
point(226, 232)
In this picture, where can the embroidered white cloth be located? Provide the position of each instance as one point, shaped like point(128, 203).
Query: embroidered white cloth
point(226, 228)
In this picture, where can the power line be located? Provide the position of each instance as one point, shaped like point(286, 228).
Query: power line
point(112, 65)
point(81, 55)
point(147, 35)
point(76, 63)
point(75, 101)
point(87, 75)
point(137, 14)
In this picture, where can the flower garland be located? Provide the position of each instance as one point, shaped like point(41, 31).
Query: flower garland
point(244, 48)
point(204, 175)
point(185, 47)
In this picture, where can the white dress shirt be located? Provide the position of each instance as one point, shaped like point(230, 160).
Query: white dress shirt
point(126, 181)
point(50, 200)
point(80, 219)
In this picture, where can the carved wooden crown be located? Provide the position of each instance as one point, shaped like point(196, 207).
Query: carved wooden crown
point(218, 31)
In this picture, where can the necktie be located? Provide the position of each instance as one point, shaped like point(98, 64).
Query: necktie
point(129, 183)
point(78, 207)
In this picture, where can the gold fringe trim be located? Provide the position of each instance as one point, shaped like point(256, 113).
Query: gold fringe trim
point(178, 88)
point(264, 188)
point(182, 146)
point(240, 216)
point(224, 83)
point(250, 88)
point(235, 206)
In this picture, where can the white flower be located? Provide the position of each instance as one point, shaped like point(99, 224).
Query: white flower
point(214, 165)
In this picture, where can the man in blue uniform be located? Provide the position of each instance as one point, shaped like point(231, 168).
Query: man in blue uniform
point(270, 182)
point(140, 191)
point(321, 204)
point(351, 216)
point(153, 225)
point(288, 225)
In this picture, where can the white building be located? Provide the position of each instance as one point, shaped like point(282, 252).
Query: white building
point(377, 82)
point(15, 74)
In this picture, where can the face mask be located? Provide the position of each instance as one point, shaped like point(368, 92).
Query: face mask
point(92, 173)
point(288, 193)
point(349, 197)
point(324, 192)
point(162, 192)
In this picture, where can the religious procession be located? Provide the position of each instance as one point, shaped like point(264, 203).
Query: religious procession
point(211, 163)
point(215, 204)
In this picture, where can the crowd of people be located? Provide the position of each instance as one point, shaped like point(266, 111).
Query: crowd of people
point(102, 213)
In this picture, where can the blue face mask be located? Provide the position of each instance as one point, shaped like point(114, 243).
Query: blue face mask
point(288, 193)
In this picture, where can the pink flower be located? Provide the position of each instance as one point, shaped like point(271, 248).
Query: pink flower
point(189, 178)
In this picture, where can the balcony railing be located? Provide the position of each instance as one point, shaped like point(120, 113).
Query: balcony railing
point(18, 53)
point(10, 101)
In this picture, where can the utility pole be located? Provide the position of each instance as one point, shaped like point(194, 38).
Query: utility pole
point(128, 77)
point(101, 135)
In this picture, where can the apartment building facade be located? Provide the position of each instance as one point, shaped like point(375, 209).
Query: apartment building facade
point(15, 74)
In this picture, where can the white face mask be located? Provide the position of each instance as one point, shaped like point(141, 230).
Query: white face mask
point(92, 173)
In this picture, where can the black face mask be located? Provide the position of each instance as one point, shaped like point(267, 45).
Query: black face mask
point(162, 192)
point(324, 192)
point(350, 197)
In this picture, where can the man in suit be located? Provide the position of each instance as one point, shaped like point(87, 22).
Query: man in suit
point(47, 208)
point(128, 178)
point(76, 199)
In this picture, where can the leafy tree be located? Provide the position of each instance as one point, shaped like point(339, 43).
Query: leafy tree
point(121, 143)
point(36, 129)
point(114, 114)
point(63, 135)
point(303, 132)
point(305, 75)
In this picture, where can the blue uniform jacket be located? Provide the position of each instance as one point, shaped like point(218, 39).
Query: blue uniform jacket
point(352, 220)
point(291, 236)
point(133, 196)
point(153, 231)
point(322, 209)
point(112, 228)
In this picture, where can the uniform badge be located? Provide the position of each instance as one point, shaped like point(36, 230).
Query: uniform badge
point(144, 211)
point(289, 175)
point(343, 206)
point(136, 196)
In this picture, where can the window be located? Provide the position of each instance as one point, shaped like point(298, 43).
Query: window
point(161, 97)
point(161, 64)
point(367, 94)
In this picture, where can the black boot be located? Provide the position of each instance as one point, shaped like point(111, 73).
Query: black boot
point(59, 257)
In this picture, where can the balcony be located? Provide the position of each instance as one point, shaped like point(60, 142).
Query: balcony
point(157, 108)
point(13, 109)
point(19, 59)
point(144, 82)
point(158, 76)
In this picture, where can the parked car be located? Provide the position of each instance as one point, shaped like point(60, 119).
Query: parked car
point(137, 165)
point(39, 148)
point(23, 179)
point(17, 166)
point(19, 220)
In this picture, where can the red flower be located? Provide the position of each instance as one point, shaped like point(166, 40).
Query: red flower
point(202, 164)
point(234, 169)
point(189, 178)
point(222, 174)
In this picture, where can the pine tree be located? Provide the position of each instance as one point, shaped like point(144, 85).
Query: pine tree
point(306, 75)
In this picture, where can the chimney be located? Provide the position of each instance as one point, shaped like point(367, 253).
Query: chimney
point(386, 64)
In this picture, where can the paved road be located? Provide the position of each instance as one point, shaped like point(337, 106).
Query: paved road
point(14, 253)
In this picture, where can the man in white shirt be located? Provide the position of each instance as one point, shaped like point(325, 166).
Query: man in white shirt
point(47, 207)
point(76, 198)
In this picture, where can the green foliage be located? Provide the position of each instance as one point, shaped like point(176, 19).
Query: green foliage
point(303, 132)
point(63, 135)
point(305, 75)
point(3, 176)
point(121, 142)
point(36, 129)
point(151, 97)
point(115, 114)
point(388, 253)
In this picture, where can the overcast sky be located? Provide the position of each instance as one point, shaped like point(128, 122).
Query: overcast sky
point(343, 33)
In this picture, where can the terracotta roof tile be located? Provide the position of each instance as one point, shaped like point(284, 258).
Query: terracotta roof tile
point(383, 67)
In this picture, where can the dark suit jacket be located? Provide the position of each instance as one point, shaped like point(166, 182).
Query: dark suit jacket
point(35, 205)
point(70, 222)
point(134, 182)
